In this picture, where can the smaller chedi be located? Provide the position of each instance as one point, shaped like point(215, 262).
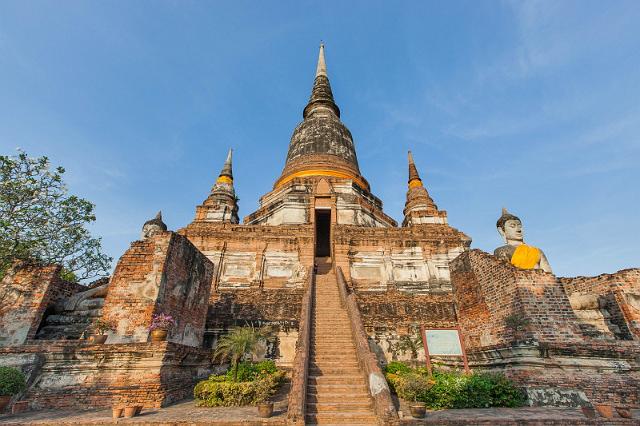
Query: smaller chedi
point(153, 226)
point(520, 255)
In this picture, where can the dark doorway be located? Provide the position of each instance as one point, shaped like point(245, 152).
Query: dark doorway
point(323, 233)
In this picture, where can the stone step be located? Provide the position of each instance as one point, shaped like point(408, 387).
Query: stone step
point(330, 366)
point(94, 303)
point(321, 397)
point(333, 371)
point(337, 388)
point(340, 407)
point(353, 379)
point(364, 417)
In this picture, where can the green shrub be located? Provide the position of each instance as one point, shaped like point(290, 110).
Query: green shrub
point(248, 371)
point(12, 381)
point(215, 392)
point(395, 367)
point(454, 389)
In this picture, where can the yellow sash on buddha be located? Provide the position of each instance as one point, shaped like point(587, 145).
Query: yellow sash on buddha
point(525, 257)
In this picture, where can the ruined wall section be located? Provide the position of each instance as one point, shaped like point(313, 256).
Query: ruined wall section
point(163, 274)
point(487, 290)
point(292, 203)
point(259, 276)
point(608, 304)
point(26, 292)
point(401, 280)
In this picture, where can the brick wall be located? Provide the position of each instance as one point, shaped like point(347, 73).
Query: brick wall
point(26, 291)
point(487, 290)
point(149, 374)
point(164, 274)
point(620, 292)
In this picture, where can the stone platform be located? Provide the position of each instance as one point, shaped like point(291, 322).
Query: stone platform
point(186, 413)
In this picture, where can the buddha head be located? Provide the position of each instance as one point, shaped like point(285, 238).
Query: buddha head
point(153, 226)
point(510, 228)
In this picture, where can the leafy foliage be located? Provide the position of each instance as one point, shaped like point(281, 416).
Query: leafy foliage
point(408, 344)
point(249, 371)
point(12, 381)
point(240, 341)
point(261, 382)
point(395, 367)
point(517, 322)
point(101, 326)
point(40, 221)
point(454, 389)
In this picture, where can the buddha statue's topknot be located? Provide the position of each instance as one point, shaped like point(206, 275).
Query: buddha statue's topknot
point(505, 217)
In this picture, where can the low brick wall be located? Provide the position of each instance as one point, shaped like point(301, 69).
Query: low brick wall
point(73, 374)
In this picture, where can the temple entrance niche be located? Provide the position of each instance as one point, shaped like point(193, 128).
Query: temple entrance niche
point(323, 232)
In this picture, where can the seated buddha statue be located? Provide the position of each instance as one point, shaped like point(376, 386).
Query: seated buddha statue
point(520, 255)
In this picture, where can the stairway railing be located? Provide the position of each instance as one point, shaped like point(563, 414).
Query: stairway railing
point(298, 393)
point(378, 388)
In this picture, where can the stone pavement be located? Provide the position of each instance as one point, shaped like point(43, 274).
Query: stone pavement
point(530, 416)
point(186, 413)
point(182, 413)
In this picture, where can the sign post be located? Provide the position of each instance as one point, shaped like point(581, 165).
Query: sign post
point(443, 341)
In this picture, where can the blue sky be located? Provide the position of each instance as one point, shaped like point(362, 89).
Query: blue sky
point(529, 105)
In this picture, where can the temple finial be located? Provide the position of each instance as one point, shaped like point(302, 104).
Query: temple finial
point(159, 215)
point(227, 169)
point(414, 177)
point(504, 211)
point(321, 69)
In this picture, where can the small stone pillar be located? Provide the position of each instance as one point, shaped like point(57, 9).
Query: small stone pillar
point(26, 291)
point(164, 273)
point(487, 290)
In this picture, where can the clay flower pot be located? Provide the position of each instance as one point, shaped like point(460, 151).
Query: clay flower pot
point(158, 335)
point(116, 412)
point(98, 339)
point(130, 411)
point(4, 401)
point(624, 412)
point(589, 412)
point(265, 409)
point(418, 409)
point(605, 410)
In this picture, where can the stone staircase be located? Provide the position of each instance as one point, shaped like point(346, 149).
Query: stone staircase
point(337, 391)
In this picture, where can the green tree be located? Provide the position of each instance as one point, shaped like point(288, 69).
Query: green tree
point(41, 222)
point(239, 342)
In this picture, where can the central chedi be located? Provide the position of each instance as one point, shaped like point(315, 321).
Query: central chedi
point(321, 150)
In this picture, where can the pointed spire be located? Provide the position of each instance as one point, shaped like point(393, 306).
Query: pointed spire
point(156, 221)
point(321, 96)
point(414, 177)
point(226, 174)
point(321, 69)
point(159, 215)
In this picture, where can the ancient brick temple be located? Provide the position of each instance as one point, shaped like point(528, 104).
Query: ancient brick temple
point(346, 287)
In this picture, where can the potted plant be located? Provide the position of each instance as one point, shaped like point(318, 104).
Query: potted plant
point(264, 390)
point(12, 382)
point(239, 342)
point(100, 327)
point(413, 387)
point(160, 325)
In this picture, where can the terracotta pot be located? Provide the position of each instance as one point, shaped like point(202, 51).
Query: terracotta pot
point(589, 412)
point(158, 335)
point(265, 409)
point(116, 413)
point(418, 410)
point(605, 410)
point(130, 411)
point(98, 339)
point(624, 412)
point(4, 401)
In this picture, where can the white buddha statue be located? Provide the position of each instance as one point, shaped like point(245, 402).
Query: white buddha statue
point(520, 255)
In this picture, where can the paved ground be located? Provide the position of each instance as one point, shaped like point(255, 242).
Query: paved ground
point(186, 413)
point(182, 413)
